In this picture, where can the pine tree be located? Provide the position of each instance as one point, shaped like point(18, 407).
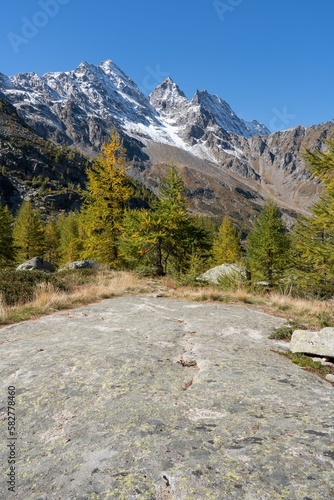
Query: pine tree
point(7, 249)
point(107, 193)
point(321, 164)
point(226, 247)
point(268, 245)
point(167, 232)
point(313, 256)
point(28, 232)
point(169, 217)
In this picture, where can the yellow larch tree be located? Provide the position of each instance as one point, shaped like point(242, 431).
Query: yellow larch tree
point(108, 190)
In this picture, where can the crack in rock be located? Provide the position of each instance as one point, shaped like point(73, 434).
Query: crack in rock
point(188, 358)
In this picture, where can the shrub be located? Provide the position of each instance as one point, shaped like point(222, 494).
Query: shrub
point(18, 287)
point(285, 332)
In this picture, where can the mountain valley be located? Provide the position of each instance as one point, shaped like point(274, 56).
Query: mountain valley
point(229, 165)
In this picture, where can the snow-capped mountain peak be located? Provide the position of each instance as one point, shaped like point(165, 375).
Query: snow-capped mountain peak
point(116, 75)
point(167, 95)
point(224, 156)
point(170, 88)
point(80, 107)
point(226, 118)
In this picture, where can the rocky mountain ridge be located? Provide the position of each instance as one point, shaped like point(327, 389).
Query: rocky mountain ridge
point(34, 168)
point(230, 165)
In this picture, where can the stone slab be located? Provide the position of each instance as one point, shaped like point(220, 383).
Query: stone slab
point(154, 399)
point(320, 343)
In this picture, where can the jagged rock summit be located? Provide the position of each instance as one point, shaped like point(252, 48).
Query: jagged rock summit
point(72, 106)
point(226, 118)
point(230, 165)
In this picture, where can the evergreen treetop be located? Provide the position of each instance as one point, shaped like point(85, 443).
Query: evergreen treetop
point(226, 247)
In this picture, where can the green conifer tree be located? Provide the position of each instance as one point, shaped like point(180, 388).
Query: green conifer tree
point(51, 238)
point(7, 249)
point(29, 233)
point(71, 237)
point(313, 236)
point(167, 232)
point(268, 245)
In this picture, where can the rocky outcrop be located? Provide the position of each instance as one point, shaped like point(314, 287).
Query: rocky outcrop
point(143, 398)
point(36, 264)
point(35, 169)
point(320, 343)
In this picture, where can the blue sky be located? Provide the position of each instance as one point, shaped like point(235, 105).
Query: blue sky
point(269, 59)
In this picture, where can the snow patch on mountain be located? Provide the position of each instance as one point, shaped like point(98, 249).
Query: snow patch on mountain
point(77, 103)
point(226, 117)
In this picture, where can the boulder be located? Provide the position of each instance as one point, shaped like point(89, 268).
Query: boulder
point(81, 264)
point(36, 264)
point(320, 343)
point(214, 275)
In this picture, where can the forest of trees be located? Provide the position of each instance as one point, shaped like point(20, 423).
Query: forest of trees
point(164, 238)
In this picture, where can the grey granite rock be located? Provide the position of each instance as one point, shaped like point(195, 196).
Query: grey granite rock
point(147, 398)
point(36, 264)
point(214, 275)
point(320, 343)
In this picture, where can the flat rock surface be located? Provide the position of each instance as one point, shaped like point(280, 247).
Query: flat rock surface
point(150, 398)
point(320, 343)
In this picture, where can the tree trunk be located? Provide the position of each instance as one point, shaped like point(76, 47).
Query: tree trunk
point(159, 266)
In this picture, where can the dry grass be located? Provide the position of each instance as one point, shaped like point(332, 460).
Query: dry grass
point(214, 294)
point(3, 309)
point(312, 312)
point(106, 284)
point(317, 313)
point(48, 299)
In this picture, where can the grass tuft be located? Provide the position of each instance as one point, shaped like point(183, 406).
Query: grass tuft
point(308, 364)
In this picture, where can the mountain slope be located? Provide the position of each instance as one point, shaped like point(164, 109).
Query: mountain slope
point(74, 105)
point(228, 162)
point(34, 168)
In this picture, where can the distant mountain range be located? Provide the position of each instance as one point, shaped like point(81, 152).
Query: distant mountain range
point(230, 165)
